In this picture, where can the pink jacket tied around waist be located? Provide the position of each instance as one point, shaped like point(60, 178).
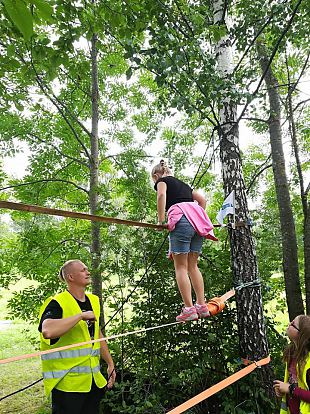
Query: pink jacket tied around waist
point(195, 215)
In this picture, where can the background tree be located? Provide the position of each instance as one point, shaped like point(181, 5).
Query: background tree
point(288, 233)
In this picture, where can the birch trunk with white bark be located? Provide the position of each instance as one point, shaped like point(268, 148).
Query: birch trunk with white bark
point(252, 333)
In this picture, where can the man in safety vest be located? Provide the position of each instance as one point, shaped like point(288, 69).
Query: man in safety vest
point(72, 376)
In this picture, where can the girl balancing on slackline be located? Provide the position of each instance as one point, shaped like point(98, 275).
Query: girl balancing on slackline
point(294, 390)
point(188, 224)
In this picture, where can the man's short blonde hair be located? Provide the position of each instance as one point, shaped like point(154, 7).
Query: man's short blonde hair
point(65, 269)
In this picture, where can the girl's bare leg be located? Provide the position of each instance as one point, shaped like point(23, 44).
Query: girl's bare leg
point(183, 281)
point(196, 277)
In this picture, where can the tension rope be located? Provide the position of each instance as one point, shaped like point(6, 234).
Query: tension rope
point(93, 341)
point(215, 306)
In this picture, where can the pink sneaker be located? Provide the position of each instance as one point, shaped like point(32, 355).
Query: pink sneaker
point(202, 310)
point(188, 315)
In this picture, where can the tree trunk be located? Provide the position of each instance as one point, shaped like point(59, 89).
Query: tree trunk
point(304, 201)
point(94, 180)
point(307, 255)
point(253, 341)
point(252, 332)
point(288, 233)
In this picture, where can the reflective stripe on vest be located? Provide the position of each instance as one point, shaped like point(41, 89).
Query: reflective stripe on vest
point(71, 369)
point(76, 370)
point(71, 353)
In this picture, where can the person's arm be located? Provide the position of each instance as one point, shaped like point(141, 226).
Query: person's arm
point(55, 328)
point(199, 198)
point(282, 388)
point(161, 201)
point(303, 395)
point(106, 356)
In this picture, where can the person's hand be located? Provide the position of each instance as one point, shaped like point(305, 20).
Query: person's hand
point(281, 388)
point(111, 376)
point(159, 223)
point(88, 316)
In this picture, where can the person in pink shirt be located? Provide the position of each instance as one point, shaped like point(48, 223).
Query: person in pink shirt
point(188, 224)
point(294, 390)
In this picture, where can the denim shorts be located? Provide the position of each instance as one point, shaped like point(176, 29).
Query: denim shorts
point(184, 239)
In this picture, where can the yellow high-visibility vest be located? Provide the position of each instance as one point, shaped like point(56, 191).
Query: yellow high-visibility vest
point(74, 369)
point(304, 407)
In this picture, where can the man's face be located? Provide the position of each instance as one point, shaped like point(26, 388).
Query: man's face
point(79, 274)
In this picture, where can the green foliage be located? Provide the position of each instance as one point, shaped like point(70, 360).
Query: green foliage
point(24, 13)
point(15, 339)
point(21, 16)
point(158, 79)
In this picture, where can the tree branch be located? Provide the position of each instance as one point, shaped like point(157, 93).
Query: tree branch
point(255, 119)
point(184, 19)
point(58, 150)
point(211, 140)
point(46, 181)
point(252, 43)
point(292, 88)
point(73, 116)
point(75, 83)
point(275, 49)
point(60, 110)
point(258, 172)
point(301, 103)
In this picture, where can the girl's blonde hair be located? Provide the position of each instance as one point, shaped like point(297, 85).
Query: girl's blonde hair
point(300, 350)
point(161, 169)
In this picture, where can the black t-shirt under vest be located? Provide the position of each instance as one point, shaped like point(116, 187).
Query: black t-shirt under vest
point(177, 191)
point(54, 311)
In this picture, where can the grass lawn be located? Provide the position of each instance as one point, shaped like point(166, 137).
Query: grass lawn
point(16, 375)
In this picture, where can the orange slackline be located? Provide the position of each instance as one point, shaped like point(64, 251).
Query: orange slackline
point(219, 386)
point(84, 216)
point(215, 306)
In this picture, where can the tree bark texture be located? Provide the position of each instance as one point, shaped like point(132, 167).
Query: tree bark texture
point(304, 201)
point(307, 256)
point(288, 232)
point(94, 176)
point(251, 326)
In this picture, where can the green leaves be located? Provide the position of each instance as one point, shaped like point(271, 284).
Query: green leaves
point(43, 9)
point(129, 73)
point(21, 16)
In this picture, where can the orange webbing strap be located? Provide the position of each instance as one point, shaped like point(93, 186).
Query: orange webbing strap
point(216, 305)
point(72, 214)
point(228, 295)
point(219, 386)
point(83, 216)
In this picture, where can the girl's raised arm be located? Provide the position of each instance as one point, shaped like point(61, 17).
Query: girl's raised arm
point(199, 198)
